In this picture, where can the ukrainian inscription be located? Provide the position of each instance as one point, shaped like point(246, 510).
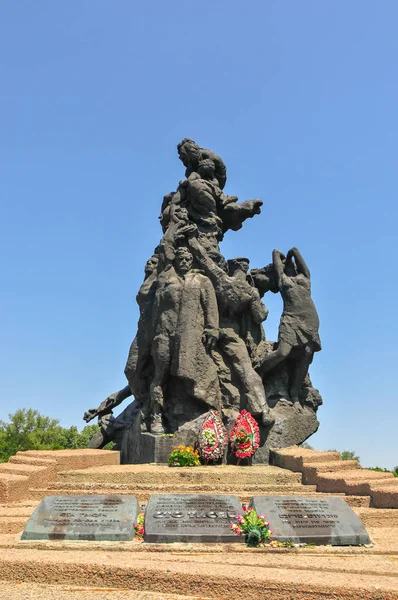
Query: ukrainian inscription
point(95, 518)
point(311, 520)
point(191, 518)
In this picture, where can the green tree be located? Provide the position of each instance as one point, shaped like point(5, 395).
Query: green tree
point(29, 430)
point(349, 455)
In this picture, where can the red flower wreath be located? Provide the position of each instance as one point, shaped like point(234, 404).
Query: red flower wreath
point(245, 437)
point(213, 437)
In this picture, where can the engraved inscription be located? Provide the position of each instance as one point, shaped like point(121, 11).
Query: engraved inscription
point(325, 520)
point(191, 517)
point(107, 517)
point(306, 514)
point(208, 512)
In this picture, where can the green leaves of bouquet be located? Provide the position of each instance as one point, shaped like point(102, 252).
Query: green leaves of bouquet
point(184, 456)
point(254, 527)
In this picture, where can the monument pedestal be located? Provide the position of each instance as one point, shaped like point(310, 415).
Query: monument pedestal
point(292, 426)
point(140, 448)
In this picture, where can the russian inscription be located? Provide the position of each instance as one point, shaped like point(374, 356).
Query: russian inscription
point(311, 520)
point(191, 518)
point(83, 518)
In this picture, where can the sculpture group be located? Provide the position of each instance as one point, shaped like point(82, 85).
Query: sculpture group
point(200, 343)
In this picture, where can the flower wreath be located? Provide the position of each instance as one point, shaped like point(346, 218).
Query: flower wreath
point(212, 437)
point(245, 437)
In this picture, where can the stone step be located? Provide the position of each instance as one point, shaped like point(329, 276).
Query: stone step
point(354, 501)
point(21, 458)
point(224, 573)
point(378, 517)
point(143, 496)
point(21, 504)
point(384, 496)
point(355, 482)
point(32, 590)
point(244, 496)
point(12, 524)
point(76, 459)
point(37, 475)
point(12, 487)
point(210, 475)
point(312, 470)
point(188, 488)
point(16, 511)
point(294, 458)
point(353, 486)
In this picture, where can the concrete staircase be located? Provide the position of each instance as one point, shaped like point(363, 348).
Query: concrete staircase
point(187, 571)
point(144, 480)
point(330, 474)
point(38, 468)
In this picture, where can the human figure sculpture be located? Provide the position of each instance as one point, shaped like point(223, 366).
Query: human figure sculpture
point(186, 328)
point(191, 154)
point(106, 407)
point(112, 429)
point(204, 164)
point(139, 353)
point(213, 211)
point(200, 341)
point(298, 329)
point(236, 297)
point(137, 369)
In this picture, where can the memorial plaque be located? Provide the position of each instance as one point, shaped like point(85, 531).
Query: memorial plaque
point(97, 518)
point(300, 519)
point(191, 518)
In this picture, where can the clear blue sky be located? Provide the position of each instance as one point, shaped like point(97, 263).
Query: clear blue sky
point(299, 98)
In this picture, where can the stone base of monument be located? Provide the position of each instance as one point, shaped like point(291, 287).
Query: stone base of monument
point(144, 448)
point(293, 425)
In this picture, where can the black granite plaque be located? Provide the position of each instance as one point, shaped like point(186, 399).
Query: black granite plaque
point(191, 518)
point(96, 518)
point(300, 519)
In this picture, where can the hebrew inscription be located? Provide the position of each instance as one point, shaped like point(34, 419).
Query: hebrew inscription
point(327, 520)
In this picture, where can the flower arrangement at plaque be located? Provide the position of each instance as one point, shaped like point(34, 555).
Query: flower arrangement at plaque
point(213, 438)
point(139, 528)
point(184, 456)
point(254, 527)
point(245, 436)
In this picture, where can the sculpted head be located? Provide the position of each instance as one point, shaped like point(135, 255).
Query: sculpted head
point(179, 213)
point(206, 168)
point(183, 260)
point(265, 279)
point(188, 152)
point(151, 265)
point(238, 264)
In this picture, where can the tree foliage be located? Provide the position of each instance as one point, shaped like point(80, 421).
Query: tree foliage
point(27, 429)
point(349, 455)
